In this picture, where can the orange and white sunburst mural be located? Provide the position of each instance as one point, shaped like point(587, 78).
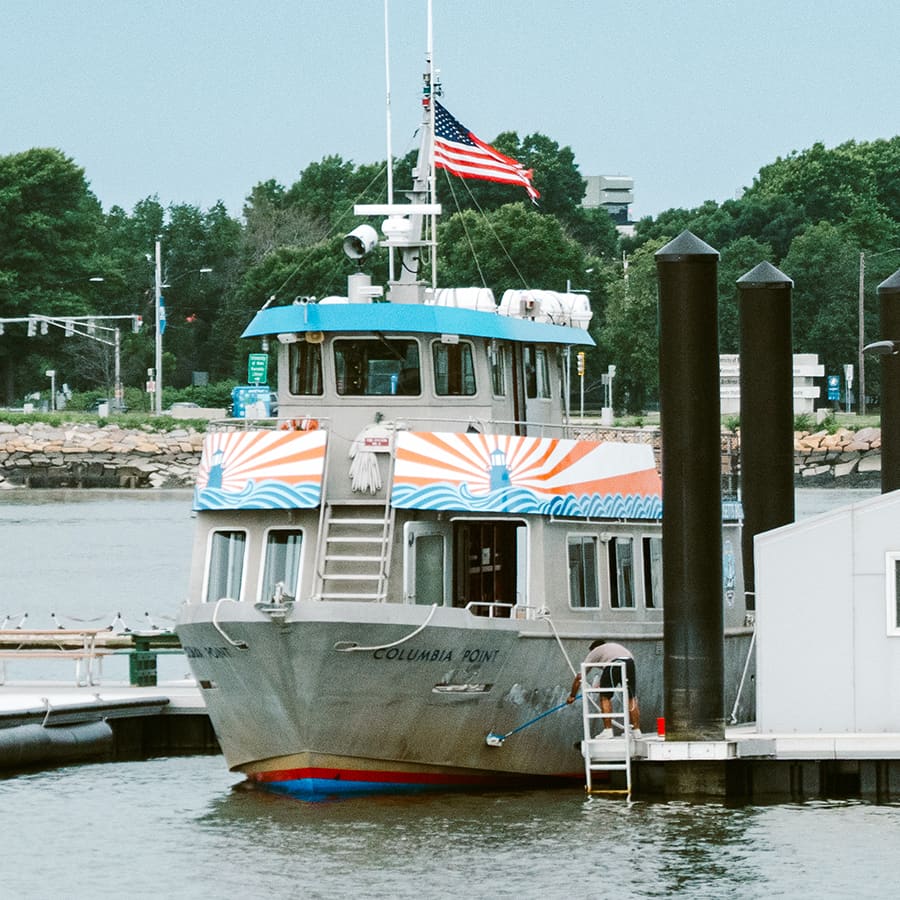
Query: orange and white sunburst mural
point(525, 474)
point(261, 470)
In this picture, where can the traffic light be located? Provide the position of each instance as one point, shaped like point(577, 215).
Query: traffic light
point(45, 326)
point(70, 327)
point(580, 362)
point(32, 327)
point(136, 323)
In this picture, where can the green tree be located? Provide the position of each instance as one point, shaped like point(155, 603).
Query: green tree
point(629, 335)
point(824, 266)
point(511, 247)
point(49, 224)
point(735, 260)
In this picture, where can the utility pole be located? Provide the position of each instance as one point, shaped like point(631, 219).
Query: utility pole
point(159, 325)
point(861, 407)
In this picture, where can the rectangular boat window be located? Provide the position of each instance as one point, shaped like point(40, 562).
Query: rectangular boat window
point(377, 367)
point(652, 558)
point(892, 566)
point(282, 564)
point(620, 555)
point(497, 356)
point(454, 369)
point(226, 565)
point(537, 375)
point(305, 366)
point(583, 589)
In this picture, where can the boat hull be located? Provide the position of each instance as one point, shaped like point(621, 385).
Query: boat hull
point(386, 697)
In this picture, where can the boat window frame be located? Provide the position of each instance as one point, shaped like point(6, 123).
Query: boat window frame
point(892, 592)
point(264, 558)
point(498, 362)
point(448, 347)
point(207, 566)
point(614, 582)
point(316, 359)
point(394, 379)
point(647, 569)
point(594, 540)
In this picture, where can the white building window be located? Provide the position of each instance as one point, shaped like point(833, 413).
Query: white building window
point(892, 592)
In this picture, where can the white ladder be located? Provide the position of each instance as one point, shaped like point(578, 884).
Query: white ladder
point(605, 754)
point(354, 551)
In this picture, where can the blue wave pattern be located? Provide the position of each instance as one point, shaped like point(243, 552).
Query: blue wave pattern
point(265, 495)
point(443, 495)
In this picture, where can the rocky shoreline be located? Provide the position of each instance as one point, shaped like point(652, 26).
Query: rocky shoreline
point(87, 455)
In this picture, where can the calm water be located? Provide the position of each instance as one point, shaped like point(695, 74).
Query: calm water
point(188, 828)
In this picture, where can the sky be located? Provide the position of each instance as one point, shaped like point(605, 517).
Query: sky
point(194, 101)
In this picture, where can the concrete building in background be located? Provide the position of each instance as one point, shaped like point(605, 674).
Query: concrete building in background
point(806, 392)
point(614, 193)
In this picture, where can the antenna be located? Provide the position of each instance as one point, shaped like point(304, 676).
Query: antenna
point(390, 155)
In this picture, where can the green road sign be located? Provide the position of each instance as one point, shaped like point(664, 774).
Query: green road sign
point(257, 368)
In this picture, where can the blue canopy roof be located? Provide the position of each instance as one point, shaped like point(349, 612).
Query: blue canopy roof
point(409, 318)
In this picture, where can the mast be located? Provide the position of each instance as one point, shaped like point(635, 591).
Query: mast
point(390, 154)
point(404, 228)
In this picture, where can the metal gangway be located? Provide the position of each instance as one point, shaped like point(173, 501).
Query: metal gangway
point(605, 754)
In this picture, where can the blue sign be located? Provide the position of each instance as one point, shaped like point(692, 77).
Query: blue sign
point(834, 387)
point(250, 401)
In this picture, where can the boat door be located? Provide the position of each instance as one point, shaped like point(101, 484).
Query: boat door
point(426, 571)
point(531, 385)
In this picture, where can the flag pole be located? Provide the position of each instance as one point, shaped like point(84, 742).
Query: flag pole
point(431, 178)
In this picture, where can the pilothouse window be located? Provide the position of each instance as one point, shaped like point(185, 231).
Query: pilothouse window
point(377, 367)
point(305, 366)
point(454, 369)
point(226, 565)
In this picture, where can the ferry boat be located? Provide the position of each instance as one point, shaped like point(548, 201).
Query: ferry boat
point(415, 555)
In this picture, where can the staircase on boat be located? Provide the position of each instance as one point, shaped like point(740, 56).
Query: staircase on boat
point(353, 556)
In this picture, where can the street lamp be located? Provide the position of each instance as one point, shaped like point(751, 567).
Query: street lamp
point(862, 326)
point(161, 321)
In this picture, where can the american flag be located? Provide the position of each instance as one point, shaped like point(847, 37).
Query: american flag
point(458, 151)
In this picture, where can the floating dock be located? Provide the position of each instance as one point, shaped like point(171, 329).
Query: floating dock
point(749, 765)
point(50, 723)
point(45, 723)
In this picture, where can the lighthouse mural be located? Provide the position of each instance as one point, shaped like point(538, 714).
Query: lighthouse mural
point(516, 474)
point(498, 471)
point(261, 470)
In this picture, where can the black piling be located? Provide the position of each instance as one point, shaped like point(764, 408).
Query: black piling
point(889, 306)
point(767, 408)
point(692, 505)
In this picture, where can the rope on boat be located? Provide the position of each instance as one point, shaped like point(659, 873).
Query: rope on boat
point(349, 646)
point(545, 615)
point(241, 645)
